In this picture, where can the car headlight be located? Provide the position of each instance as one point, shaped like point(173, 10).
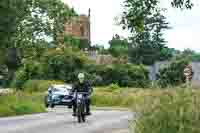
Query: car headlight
point(55, 96)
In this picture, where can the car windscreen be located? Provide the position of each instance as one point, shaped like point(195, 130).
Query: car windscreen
point(61, 89)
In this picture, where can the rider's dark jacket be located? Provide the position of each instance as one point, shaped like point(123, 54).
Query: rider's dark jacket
point(82, 87)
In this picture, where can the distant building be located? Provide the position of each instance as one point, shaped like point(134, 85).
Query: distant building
point(79, 27)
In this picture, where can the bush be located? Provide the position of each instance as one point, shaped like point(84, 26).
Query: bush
point(30, 70)
point(20, 79)
point(94, 79)
point(52, 65)
point(174, 112)
point(39, 85)
point(65, 65)
point(172, 75)
point(121, 74)
point(21, 103)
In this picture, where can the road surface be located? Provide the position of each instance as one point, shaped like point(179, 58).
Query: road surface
point(60, 120)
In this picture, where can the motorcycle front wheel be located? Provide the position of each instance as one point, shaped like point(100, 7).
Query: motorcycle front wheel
point(81, 113)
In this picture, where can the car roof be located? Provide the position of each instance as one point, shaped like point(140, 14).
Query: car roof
point(67, 86)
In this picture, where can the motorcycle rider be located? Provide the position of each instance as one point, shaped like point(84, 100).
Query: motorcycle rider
point(82, 86)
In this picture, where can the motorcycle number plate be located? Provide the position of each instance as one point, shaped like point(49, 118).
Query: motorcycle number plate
point(65, 100)
point(80, 96)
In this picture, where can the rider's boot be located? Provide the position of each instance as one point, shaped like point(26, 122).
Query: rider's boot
point(74, 111)
point(88, 111)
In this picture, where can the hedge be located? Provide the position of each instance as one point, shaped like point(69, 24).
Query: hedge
point(65, 65)
point(39, 85)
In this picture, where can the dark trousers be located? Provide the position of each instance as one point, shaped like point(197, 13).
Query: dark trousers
point(88, 102)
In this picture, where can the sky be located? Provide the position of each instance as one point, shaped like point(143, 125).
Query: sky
point(185, 32)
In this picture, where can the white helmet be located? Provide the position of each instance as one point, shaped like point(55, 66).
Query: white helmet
point(81, 76)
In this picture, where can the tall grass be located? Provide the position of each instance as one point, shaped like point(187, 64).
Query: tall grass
point(173, 110)
point(21, 103)
point(119, 97)
point(168, 111)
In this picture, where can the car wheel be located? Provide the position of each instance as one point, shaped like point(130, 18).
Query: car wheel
point(46, 105)
point(46, 101)
point(70, 106)
point(52, 105)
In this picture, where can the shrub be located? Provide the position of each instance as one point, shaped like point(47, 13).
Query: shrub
point(30, 70)
point(39, 85)
point(172, 75)
point(52, 65)
point(123, 75)
point(94, 79)
point(20, 79)
point(63, 65)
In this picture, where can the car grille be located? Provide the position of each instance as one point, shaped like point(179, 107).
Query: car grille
point(61, 96)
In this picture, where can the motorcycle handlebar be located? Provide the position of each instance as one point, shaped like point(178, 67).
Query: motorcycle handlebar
point(83, 93)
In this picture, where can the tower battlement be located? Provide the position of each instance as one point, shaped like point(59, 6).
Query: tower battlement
point(79, 27)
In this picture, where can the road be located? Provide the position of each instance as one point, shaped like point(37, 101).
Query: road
point(60, 120)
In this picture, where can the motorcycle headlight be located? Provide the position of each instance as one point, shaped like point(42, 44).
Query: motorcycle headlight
point(79, 96)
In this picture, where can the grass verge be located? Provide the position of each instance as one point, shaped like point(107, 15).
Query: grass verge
point(174, 110)
point(122, 97)
point(20, 104)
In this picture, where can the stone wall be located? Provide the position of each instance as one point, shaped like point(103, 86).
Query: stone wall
point(196, 75)
point(104, 59)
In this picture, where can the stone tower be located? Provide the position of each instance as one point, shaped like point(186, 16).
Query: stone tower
point(79, 27)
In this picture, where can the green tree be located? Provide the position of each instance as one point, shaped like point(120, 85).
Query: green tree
point(26, 23)
point(148, 45)
point(141, 50)
point(118, 46)
point(76, 43)
point(45, 20)
point(196, 57)
point(189, 55)
point(160, 24)
point(11, 13)
point(182, 4)
point(137, 10)
point(2, 56)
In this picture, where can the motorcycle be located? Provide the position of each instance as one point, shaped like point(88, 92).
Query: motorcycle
point(80, 98)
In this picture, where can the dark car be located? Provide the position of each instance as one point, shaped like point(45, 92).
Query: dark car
point(59, 95)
